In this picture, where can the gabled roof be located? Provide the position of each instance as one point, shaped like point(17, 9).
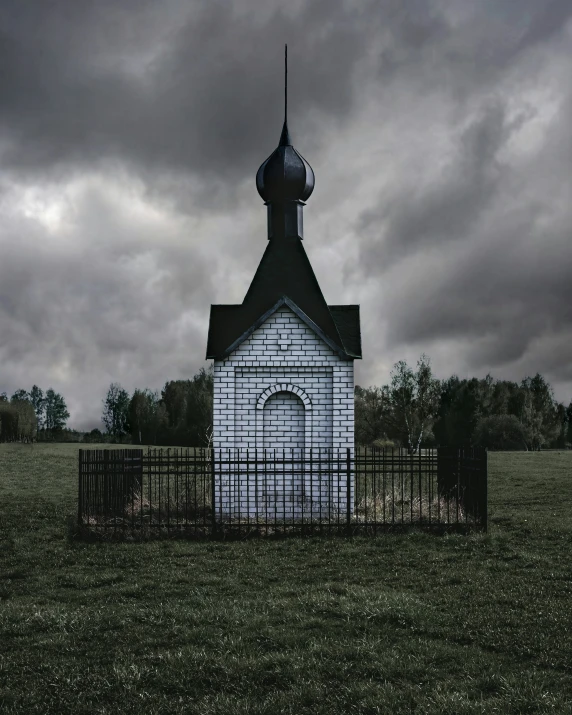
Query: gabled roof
point(284, 277)
point(229, 327)
point(285, 270)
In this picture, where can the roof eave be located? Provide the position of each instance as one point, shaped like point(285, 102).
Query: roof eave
point(284, 300)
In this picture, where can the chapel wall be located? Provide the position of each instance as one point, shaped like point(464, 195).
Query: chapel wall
point(303, 361)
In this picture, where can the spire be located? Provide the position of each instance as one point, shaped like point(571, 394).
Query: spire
point(285, 180)
point(285, 136)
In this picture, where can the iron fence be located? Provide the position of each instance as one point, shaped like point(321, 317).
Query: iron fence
point(220, 493)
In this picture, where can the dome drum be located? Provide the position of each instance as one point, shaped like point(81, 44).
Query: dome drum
point(285, 219)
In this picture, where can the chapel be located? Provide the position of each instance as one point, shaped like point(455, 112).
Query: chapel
point(284, 358)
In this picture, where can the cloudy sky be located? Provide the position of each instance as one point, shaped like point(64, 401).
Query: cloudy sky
point(130, 135)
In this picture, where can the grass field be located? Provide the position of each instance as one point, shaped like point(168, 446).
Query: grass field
point(395, 624)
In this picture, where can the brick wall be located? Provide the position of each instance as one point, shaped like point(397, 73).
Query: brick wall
point(283, 387)
point(284, 353)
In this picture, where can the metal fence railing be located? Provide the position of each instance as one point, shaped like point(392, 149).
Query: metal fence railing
point(206, 493)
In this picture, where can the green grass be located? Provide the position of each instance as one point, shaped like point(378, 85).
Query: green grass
point(393, 624)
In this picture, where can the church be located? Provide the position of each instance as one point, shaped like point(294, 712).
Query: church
point(283, 358)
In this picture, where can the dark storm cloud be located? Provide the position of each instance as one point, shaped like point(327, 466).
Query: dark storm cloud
point(175, 90)
point(504, 286)
point(448, 208)
point(548, 19)
point(198, 88)
point(117, 305)
point(143, 124)
point(207, 97)
point(478, 252)
point(464, 47)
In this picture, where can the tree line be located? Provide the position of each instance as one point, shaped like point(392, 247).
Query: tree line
point(416, 410)
point(180, 415)
point(32, 415)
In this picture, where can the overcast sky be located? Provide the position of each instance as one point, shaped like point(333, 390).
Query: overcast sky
point(130, 136)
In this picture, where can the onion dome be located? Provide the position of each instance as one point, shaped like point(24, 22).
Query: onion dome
point(285, 175)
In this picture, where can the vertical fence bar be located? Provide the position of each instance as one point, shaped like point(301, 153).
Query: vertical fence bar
point(348, 487)
point(132, 482)
point(256, 490)
point(275, 500)
point(484, 479)
point(370, 468)
point(264, 498)
point(458, 485)
point(383, 484)
point(402, 466)
point(213, 492)
point(142, 490)
point(247, 487)
point(284, 481)
point(80, 488)
point(429, 482)
point(191, 475)
point(420, 490)
point(374, 485)
point(411, 496)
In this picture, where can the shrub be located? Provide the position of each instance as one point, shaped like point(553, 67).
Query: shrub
point(500, 432)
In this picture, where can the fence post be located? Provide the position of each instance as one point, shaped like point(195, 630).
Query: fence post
point(80, 490)
point(485, 499)
point(349, 488)
point(213, 493)
point(106, 481)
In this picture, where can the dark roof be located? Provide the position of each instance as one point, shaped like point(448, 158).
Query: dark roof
point(284, 276)
point(224, 324)
point(346, 318)
point(230, 325)
point(285, 175)
point(285, 270)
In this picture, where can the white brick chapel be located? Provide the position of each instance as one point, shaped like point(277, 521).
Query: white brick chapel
point(283, 362)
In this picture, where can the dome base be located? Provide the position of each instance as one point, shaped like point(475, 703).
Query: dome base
point(285, 219)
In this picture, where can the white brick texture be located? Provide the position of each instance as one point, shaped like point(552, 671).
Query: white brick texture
point(284, 355)
point(283, 388)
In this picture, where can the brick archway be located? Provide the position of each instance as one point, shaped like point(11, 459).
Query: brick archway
point(272, 390)
point(284, 387)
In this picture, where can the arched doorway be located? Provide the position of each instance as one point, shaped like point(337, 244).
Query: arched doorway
point(283, 421)
point(284, 417)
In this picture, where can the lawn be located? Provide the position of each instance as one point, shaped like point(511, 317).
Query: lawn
point(394, 624)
